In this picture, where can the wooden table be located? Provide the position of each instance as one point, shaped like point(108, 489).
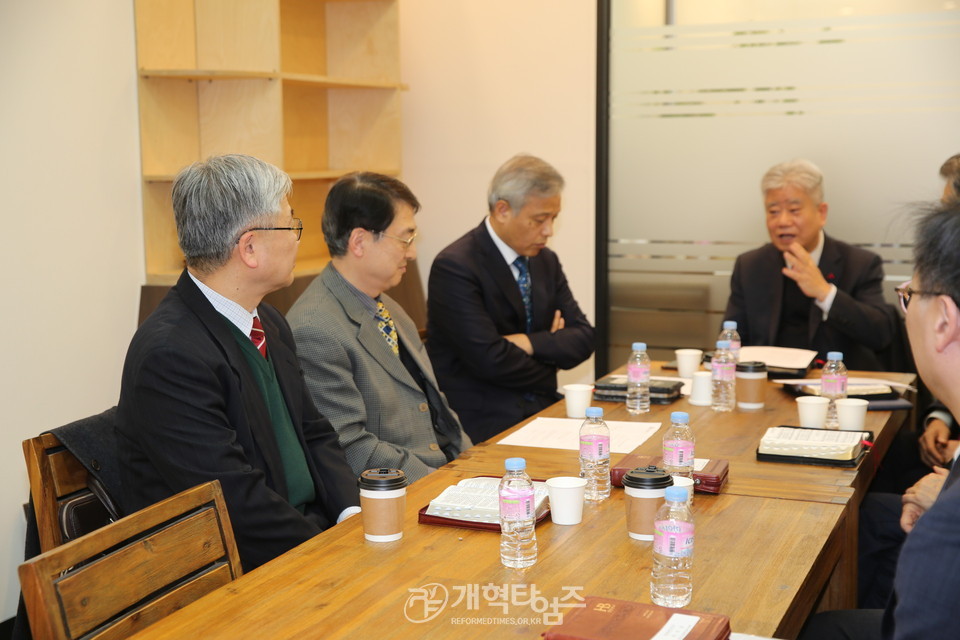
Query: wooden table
point(767, 550)
point(735, 437)
point(761, 561)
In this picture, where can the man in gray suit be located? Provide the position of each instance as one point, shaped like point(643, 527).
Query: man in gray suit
point(361, 353)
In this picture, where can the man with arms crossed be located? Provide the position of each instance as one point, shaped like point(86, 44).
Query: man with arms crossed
point(806, 289)
point(500, 316)
point(361, 353)
point(211, 386)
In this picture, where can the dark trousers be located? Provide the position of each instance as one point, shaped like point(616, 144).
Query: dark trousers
point(854, 624)
point(879, 548)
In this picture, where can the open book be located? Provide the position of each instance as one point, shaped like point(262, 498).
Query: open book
point(823, 445)
point(476, 500)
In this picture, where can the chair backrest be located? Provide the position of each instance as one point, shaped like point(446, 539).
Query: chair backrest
point(117, 580)
point(67, 500)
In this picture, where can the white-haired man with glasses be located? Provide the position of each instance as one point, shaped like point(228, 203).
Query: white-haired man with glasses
point(211, 386)
point(362, 356)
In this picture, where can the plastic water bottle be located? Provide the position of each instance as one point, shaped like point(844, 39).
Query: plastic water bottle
point(518, 539)
point(638, 380)
point(671, 580)
point(678, 445)
point(595, 455)
point(724, 378)
point(729, 333)
point(833, 385)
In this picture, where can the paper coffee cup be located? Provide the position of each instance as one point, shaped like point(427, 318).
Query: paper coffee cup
point(643, 495)
point(751, 385)
point(383, 496)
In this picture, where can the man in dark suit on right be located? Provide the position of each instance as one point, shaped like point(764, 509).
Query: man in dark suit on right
point(926, 585)
point(500, 316)
point(805, 289)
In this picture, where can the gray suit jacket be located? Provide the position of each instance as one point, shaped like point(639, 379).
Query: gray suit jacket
point(379, 411)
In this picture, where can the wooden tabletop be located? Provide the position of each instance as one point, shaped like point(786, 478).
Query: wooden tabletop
point(776, 543)
point(733, 436)
point(758, 560)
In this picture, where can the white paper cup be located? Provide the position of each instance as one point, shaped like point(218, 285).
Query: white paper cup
point(813, 411)
point(688, 361)
point(577, 397)
point(566, 499)
point(684, 481)
point(851, 413)
point(701, 389)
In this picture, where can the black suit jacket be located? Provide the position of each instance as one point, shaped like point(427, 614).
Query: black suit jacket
point(190, 411)
point(473, 300)
point(860, 322)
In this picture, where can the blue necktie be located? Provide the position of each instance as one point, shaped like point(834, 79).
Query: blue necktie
point(524, 282)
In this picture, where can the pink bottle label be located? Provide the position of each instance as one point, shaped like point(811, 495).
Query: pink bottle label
point(833, 385)
point(516, 504)
point(726, 371)
point(638, 372)
point(735, 346)
point(677, 453)
point(595, 447)
point(673, 538)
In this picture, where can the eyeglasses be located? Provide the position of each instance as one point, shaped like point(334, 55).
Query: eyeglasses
point(297, 226)
point(406, 241)
point(906, 292)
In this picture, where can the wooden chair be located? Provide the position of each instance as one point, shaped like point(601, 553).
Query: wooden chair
point(119, 579)
point(67, 500)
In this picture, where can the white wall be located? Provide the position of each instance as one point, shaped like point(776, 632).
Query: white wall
point(489, 80)
point(72, 257)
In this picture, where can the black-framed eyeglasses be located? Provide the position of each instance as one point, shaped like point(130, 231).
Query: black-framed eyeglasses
point(906, 292)
point(406, 241)
point(297, 226)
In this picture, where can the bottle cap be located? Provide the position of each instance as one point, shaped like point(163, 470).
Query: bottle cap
point(382, 479)
point(752, 367)
point(834, 355)
point(680, 416)
point(723, 344)
point(515, 464)
point(639, 346)
point(649, 477)
point(594, 412)
point(730, 324)
point(676, 494)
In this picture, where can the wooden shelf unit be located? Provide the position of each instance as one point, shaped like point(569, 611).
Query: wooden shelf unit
point(311, 86)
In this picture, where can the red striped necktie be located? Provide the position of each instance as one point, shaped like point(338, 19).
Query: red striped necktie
point(258, 337)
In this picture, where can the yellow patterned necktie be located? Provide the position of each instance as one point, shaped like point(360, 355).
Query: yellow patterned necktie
point(387, 328)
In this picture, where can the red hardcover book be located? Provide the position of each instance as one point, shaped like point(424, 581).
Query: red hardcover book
point(607, 619)
point(710, 479)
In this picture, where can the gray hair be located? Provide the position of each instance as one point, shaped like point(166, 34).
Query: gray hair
point(522, 176)
point(799, 173)
point(215, 200)
point(950, 171)
point(935, 255)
